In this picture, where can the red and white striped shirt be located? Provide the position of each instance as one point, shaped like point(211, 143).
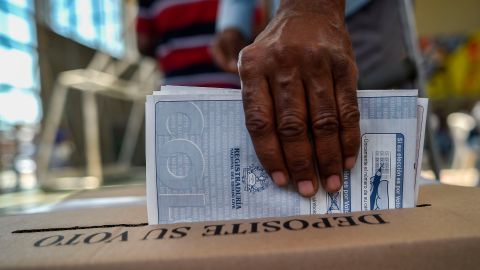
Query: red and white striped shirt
point(181, 32)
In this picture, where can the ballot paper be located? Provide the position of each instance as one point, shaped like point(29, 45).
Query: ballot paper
point(201, 164)
point(422, 108)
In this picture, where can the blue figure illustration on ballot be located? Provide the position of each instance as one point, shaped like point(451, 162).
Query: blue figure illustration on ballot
point(378, 191)
point(333, 202)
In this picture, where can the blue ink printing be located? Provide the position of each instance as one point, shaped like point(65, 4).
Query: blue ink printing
point(235, 178)
point(378, 191)
point(255, 179)
point(333, 202)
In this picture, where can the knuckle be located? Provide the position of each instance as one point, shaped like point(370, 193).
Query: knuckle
point(350, 115)
point(325, 124)
point(281, 49)
point(321, 91)
point(327, 163)
point(284, 55)
point(341, 60)
point(248, 61)
point(248, 95)
point(248, 54)
point(266, 155)
point(291, 127)
point(300, 166)
point(286, 81)
point(316, 54)
point(258, 122)
point(345, 68)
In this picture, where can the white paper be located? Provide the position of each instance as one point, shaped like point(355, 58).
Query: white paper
point(201, 165)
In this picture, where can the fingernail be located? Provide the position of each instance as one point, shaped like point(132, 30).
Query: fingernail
point(333, 183)
point(279, 178)
point(305, 188)
point(350, 162)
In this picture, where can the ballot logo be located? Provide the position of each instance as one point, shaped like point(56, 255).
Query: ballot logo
point(334, 203)
point(255, 178)
point(379, 181)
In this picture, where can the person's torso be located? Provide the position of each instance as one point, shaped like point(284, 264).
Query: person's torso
point(184, 31)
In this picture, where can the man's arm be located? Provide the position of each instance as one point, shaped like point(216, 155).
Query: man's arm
point(298, 78)
point(236, 14)
point(146, 34)
point(234, 28)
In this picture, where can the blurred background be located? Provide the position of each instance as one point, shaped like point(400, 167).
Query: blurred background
point(73, 86)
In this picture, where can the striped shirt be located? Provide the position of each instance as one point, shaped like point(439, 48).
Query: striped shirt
point(181, 32)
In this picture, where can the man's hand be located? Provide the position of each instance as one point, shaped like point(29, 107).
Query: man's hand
point(225, 49)
point(299, 76)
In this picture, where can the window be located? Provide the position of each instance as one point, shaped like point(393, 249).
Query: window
point(94, 23)
point(19, 99)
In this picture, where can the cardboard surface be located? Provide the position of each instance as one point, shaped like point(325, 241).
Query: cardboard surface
point(445, 235)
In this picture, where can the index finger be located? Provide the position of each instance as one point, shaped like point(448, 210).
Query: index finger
point(260, 121)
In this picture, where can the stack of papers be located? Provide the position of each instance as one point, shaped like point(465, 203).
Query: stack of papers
point(201, 164)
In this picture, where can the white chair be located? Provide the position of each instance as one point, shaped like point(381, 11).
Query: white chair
point(100, 77)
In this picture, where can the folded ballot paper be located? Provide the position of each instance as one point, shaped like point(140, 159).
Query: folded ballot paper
point(201, 164)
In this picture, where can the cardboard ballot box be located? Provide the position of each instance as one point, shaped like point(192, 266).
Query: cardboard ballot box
point(443, 234)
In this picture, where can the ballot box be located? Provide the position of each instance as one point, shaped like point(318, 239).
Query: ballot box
point(107, 229)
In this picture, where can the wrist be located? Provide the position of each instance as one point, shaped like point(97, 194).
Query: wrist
point(235, 35)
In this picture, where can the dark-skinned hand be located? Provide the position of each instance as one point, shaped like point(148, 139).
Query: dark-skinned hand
point(299, 93)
